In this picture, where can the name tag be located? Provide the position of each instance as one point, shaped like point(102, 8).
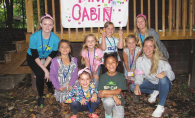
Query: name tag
point(130, 74)
point(42, 61)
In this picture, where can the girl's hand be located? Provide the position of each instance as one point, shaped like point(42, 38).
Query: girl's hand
point(69, 88)
point(94, 97)
point(120, 32)
point(117, 100)
point(101, 94)
point(103, 33)
point(137, 90)
point(62, 89)
point(161, 75)
point(83, 102)
point(95, 76)
point(47, 75)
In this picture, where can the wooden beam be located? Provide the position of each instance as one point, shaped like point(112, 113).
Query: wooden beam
point(163, 17)
point(134, 12)
point(177, 17)
point(46, 10)
point(191, 11)
point(61, 27)
point(173, 9)
point(29, 16)
point(128, 26)
point(156, 15)
point(184, 16)
point(91, 30)
point(54, 15)
point(149, 21)
point(38, 10)
point(142, 7)
point(170, 17)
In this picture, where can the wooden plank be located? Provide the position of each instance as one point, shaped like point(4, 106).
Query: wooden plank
point(61, 27)
point(69, 34)
point(179, 20)
point(46, 9)
point(21, 70)
point(156, 15)
point(163, 17)
point(91, 30)
point(77, 34)
point(191, 11)
point(134, 13)
point(170, 17)
point(29, 16)
point(142, 7)
point(84, 32)
point(98, 33)
point(38, 10)
point(173, 9)
point(184, 16)
point(128, 26)
point(54, 15)
point(177, 17)
point(149, 21)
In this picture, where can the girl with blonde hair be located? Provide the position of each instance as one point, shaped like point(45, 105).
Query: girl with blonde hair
point(142, 31)
point(153, 75)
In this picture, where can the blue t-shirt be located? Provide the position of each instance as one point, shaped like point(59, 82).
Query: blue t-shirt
point(142, 37)
point(36, 43)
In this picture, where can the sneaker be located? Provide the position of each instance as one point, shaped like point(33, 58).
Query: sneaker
point(135, 98)
point(40, 101)
point(158, 111)
point(153, 96)
point(106, 116)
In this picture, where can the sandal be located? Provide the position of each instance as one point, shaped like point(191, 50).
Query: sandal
point(93, 115)
point(73, 117)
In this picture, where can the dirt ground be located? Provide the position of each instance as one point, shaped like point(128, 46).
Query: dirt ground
point(20, 102)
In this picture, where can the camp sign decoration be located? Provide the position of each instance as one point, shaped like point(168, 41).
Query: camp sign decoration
point(93, 13)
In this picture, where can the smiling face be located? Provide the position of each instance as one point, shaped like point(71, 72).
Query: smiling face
point(109, 30)
point(47, 25)
point(84, 80)
point(111, 65)
point(148, 49)
point(64, 48)
point(90, 42)
point(141, 23)
point(131, 43)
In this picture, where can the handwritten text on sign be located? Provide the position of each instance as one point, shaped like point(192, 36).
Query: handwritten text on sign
point(93, 13)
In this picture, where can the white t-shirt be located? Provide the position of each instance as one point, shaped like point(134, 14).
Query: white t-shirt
point(111, 46)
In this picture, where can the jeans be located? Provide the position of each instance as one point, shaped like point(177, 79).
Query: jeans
point(77, 107)
point(164, 86)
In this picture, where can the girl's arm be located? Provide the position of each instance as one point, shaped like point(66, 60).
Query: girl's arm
point(125, 57)
point(38, 61)
point(139, 77)
point(120, 43)
point(86, 62)
point(47, 61)
point(103, 41)
point(74, 75)
point(54, 75)
point(109, 93)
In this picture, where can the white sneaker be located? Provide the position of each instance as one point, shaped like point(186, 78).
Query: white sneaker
point(158, 111)
point(153, 96)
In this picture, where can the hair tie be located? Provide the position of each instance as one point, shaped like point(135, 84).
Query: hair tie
point(84, 69)
point(47, 15)
point(141, 15)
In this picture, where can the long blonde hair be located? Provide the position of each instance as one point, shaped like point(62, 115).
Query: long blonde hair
point(136, 31)
point(85, 46)
point(157, 55)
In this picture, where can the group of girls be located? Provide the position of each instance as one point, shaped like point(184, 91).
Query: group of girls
point(145, 63)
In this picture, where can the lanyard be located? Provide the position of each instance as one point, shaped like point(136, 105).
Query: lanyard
point(42, 43)
point(141, 37)
point(91, 68)
point(90, 109)
point(68, 70)
point(111, 44)
point(131, 62)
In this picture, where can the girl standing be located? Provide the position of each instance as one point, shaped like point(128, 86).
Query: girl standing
point(110, 44)
point(43, 47)
point(85, 94)
point(153, 76)
point(63, 72)
point(141, 31)
point(130, 53)
point(91, 56)
point(110, 86)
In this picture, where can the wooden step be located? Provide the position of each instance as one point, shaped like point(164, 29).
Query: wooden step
point(19, 45)
point(8, 55)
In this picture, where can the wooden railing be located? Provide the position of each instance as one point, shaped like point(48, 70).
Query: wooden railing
point(180, 20)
